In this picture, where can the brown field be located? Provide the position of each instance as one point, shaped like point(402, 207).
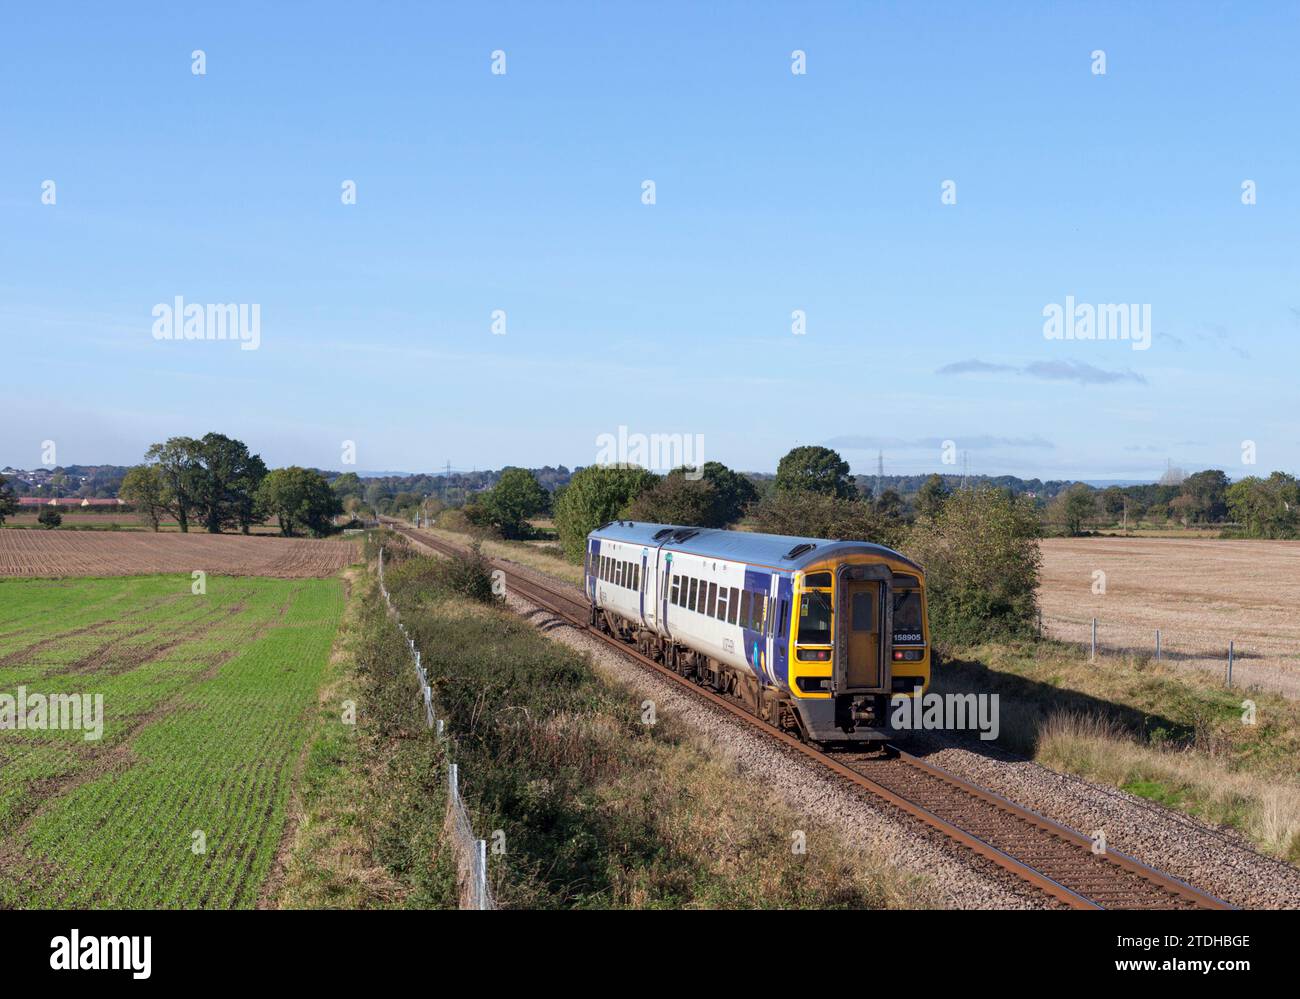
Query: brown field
point(1200, 593)
point(106, 522)
point(92, 553)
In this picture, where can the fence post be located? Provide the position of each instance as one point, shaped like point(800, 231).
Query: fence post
point(480, 873)
point(1040, 622)
point(1094, 640)
point(453, 780)
point(1230, 653)
point(1157, 643)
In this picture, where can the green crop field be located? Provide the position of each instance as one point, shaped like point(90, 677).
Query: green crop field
point(181, 802)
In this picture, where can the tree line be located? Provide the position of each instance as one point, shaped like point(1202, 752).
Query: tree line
point(216, 484)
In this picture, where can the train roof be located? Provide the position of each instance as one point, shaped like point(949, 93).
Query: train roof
point(740, 546)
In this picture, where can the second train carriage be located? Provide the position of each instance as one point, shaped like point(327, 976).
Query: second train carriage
point(814, 636)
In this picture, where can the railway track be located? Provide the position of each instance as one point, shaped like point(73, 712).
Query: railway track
point(1053, 859)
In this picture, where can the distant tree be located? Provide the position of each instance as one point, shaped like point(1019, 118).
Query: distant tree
point(8, 501)
point(932, 495)
point(714, 497)
point(515, 498)
point(300, 500)
point(981, 561)
point(224, 480)
point(1266, 508)
point(145, 488)
point(178, 463)
point(675, 499)
point(1073, 508)
point(816, 515)
point(378, 498)
point(733, 493)
point(49, 518)
point(814, 469)
point(1112, 500)
point(348, 484)
point(889, 504)
point(1207, 496)
point(595, 495)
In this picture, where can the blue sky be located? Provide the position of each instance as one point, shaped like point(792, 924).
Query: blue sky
point(775, 192)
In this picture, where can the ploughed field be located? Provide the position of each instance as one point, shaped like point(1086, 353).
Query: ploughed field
point(206, 703)
point(87, 553)
point(1200, 593)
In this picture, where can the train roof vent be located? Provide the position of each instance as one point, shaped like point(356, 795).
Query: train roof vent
point(799, 549)
point(684, 533)
point(662, 533)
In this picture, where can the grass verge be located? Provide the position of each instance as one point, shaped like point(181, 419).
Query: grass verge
point(1175, 737)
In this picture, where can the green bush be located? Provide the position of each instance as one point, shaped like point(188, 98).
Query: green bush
point(981, 559)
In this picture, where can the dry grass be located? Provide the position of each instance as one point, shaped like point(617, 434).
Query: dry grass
point(1200, 593)
point(526, 553)
point(1092, 746)
point(1176, 737)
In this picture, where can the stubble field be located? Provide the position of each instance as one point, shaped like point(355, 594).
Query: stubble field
point(1200, 593)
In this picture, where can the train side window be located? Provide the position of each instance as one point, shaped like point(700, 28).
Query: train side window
point(676, 591)
point(711, 602)
point(760, 612)
point(695, 583)
point(746, 609)
point(621, 573)
point(636, 577)
point(733, 605)
point(782, 619)
point(722, 604)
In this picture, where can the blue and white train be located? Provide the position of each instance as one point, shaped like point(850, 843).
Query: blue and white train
point(813, 636)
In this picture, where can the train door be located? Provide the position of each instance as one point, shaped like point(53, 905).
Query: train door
point(863, 602)
point(643, 584)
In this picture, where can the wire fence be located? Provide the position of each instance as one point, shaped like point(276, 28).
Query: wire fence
point(471, 853)
point(1098, 636)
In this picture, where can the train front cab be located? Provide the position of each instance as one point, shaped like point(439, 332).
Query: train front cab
point(858, 638)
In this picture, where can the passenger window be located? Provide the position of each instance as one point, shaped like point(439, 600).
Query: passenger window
point(712, 601)
point(746, 609)
point(733, 605)
point(722, 604)
point(676, 592)
point(636, 577)
point(784, 614)
point(694, 586)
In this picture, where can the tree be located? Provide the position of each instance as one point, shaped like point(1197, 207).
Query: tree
point(733, 493)
point(49, 518)
point(815, 515)
point(348, 484)
point(675, 499)
point(1073, 507)
point(8, 501)
point(933, 493)
point(178, 464)
point(595, 495)
point(715, 497)
point(299, 499)
point(1207, 496)
point(981, 560)
point(516, 497)
point(224, 480)
point(1112, 500)
point(814, 469)
point(145, 488)
point(1266, 508)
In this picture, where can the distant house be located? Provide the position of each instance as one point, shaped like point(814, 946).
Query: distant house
point(68, 501)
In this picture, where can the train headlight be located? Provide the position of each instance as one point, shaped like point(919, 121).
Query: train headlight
point(908, 655)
